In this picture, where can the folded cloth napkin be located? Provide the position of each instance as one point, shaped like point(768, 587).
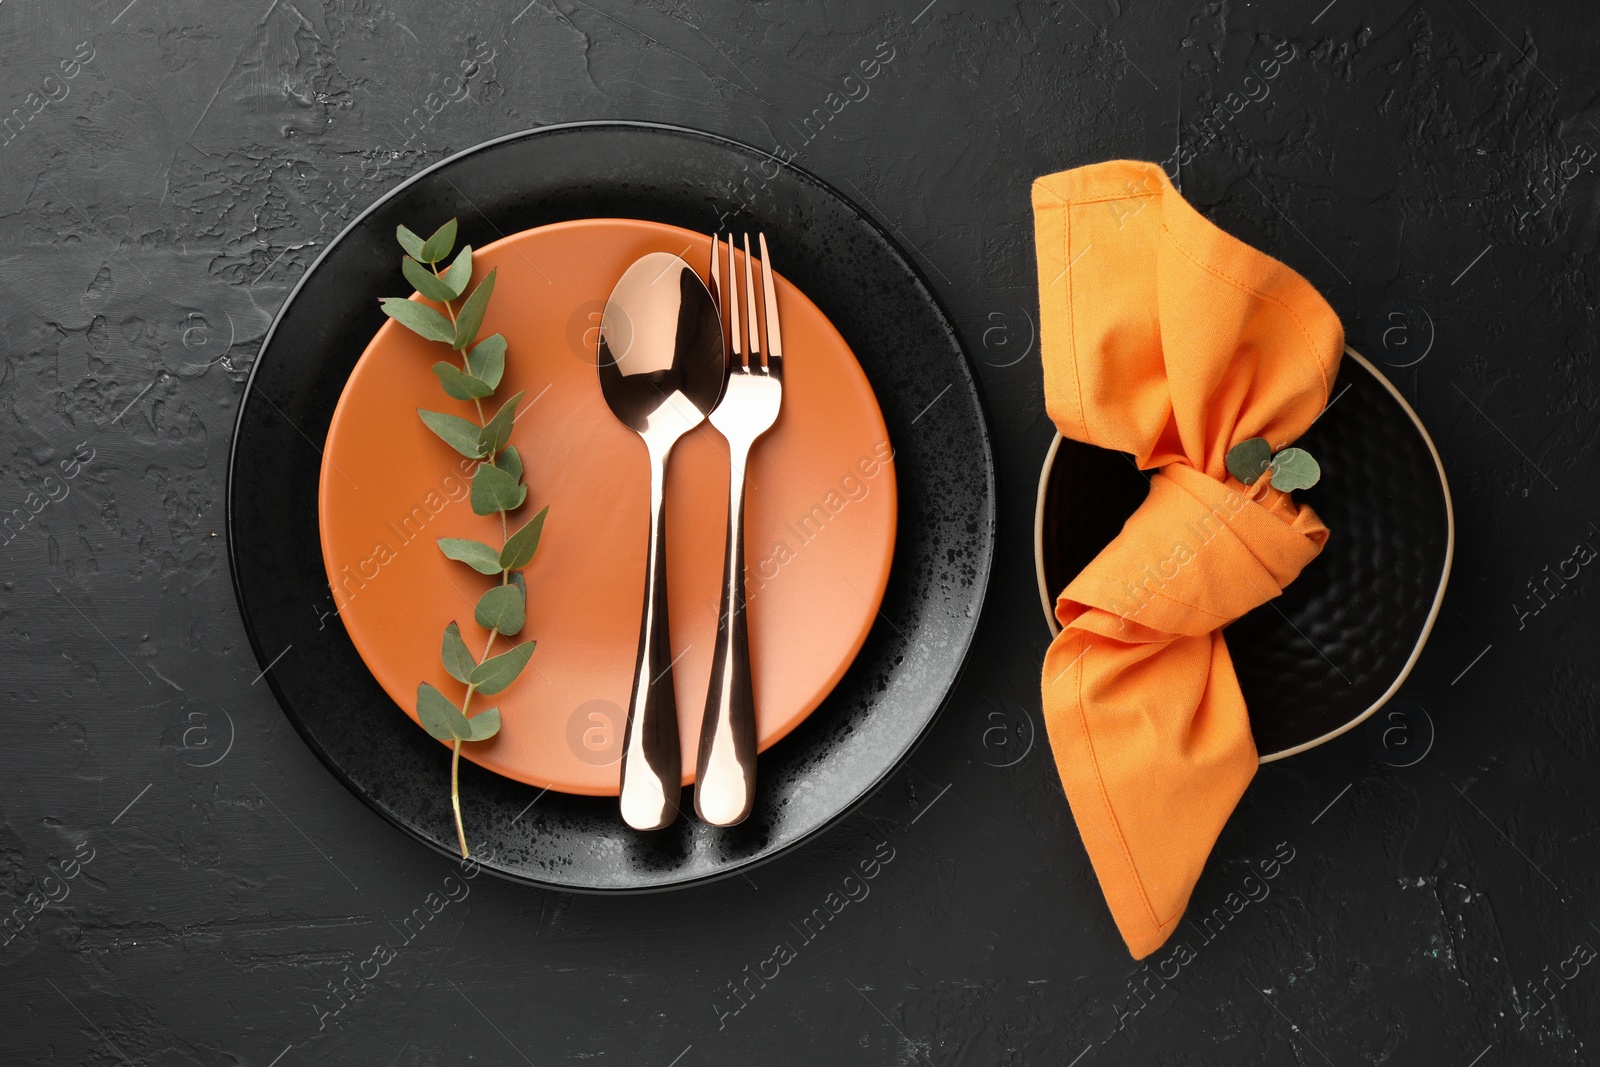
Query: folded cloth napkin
point(1166, 338)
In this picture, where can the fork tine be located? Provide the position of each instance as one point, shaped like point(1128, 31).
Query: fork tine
point(716, 274)
point(774, 345)
point(735, 333)
point(754, 324)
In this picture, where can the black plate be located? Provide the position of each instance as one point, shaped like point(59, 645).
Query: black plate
point(851, 269)
point(1327, 653)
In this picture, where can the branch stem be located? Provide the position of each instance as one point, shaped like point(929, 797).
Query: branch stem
point(455, 797)
point(494, 633)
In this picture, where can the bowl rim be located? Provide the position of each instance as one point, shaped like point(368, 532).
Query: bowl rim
point(1048, 601)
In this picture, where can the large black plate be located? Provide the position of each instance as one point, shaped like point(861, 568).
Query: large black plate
point(1345, 634)
point(910, 352)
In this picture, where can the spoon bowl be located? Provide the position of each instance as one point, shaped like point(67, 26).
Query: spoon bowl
point(662, 364)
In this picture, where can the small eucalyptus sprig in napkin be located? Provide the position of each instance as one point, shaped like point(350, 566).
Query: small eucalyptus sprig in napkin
point(496, 487)
point(1292, 468)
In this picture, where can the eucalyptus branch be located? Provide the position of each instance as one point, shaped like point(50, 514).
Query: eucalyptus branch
point(496, 487)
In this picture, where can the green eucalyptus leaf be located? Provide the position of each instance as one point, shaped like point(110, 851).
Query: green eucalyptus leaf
point(483, 725)
point(432, 721)
point(496, 434)
point(497, 672)
point(459, 272)
point(1248, 460)
point(425, 281)
point(461, 386)
point(510, 461)
point(502, 608)
point(419, 318)
point(521, 545)
point(470, 317)
point(409, 241)
point(475, 554)
point(494, 490)
point(487, 359)
point(457, 660)
point(521, 583)
point(463, 436)
point(439, 717)
point(1294, 468)
point(439, 244)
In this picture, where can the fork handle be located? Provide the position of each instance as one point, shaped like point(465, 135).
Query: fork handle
point(725, 776)
point(652, 775)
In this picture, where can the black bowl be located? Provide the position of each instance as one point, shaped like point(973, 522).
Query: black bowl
point(944, 465)
point(1342, 638)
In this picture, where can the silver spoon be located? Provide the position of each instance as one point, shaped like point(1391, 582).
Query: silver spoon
point(662, 369)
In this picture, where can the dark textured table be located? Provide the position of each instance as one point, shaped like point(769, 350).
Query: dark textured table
point(184, 883)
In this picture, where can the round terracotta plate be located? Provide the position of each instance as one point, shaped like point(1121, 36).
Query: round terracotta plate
point(819, 523)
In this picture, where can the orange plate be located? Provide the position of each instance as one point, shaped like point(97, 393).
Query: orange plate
point(819, 523)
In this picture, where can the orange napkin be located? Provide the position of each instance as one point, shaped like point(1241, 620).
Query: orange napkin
point(1166, 338)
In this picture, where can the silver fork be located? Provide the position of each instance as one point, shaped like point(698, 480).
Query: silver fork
point(725, 776)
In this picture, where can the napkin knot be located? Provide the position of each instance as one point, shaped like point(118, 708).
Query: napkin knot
point(1197, 554)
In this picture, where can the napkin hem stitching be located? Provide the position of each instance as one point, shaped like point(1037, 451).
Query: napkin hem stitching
point(1063, 205)
point(1100, 783)
point(1163, 596)
point(1305, 335)
point(1072, 314)
point(1107, 199)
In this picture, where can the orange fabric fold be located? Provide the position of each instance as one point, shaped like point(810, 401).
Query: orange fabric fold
point(1168, 339)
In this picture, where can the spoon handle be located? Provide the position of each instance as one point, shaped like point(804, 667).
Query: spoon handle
point(652, 774)
point(725, 776)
